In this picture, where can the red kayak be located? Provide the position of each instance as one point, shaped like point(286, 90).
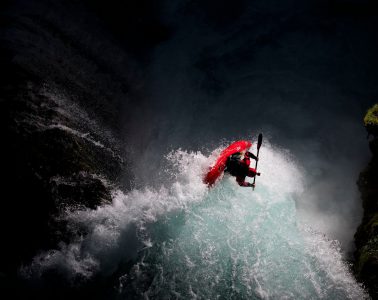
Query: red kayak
point(216, 171)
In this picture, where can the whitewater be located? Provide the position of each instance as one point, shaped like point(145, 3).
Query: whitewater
point(182, 240)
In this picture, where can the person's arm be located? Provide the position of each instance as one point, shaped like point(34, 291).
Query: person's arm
point(241, 181)
point(247, 184)
point(251, 155)
point(246, 161)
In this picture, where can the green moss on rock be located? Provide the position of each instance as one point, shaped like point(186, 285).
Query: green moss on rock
point(371, 117)
point(371, 120)
point(366, 237)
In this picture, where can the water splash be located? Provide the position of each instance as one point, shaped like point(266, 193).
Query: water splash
point(185, 241)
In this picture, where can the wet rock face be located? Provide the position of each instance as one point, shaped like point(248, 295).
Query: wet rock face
point(80, 190)
point(366, 237)
point(67, 85)
point(55, 158)
point(65, 90)
point(59, 109)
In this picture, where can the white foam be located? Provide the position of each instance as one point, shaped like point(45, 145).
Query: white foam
point(183, 223)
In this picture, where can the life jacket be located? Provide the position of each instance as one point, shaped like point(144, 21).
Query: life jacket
point(235, 166)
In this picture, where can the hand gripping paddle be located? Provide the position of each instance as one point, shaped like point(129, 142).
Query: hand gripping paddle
point(259, 142)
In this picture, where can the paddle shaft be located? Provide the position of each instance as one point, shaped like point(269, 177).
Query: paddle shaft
point(259, 143)
point(254, 178)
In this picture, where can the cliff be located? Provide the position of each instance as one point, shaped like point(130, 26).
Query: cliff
point(55, 158)
point(60, 148)
point(366, 237)
point(69, 78)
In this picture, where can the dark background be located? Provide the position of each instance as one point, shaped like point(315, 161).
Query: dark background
point(161, 75)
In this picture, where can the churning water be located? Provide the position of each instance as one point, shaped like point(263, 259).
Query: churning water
point(184, 241)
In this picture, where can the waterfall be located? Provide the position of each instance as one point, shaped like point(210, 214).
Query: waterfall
point(183, 240)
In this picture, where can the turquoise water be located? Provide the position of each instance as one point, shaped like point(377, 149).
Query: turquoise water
point(185, 241)
point(235, 245)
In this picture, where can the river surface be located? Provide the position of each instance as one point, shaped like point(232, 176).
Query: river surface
point(185, 241)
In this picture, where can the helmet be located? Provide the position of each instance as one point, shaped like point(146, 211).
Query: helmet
point(236, 155)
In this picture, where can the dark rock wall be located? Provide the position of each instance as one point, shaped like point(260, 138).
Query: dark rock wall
point(366, 237)
point(54, 157)
point(63, 85)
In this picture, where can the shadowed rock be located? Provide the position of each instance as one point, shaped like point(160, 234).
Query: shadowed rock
point(366, 237)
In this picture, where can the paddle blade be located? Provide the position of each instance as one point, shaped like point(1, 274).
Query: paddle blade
point(259, 141)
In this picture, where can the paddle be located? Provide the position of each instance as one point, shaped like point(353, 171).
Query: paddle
point(259, 142)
